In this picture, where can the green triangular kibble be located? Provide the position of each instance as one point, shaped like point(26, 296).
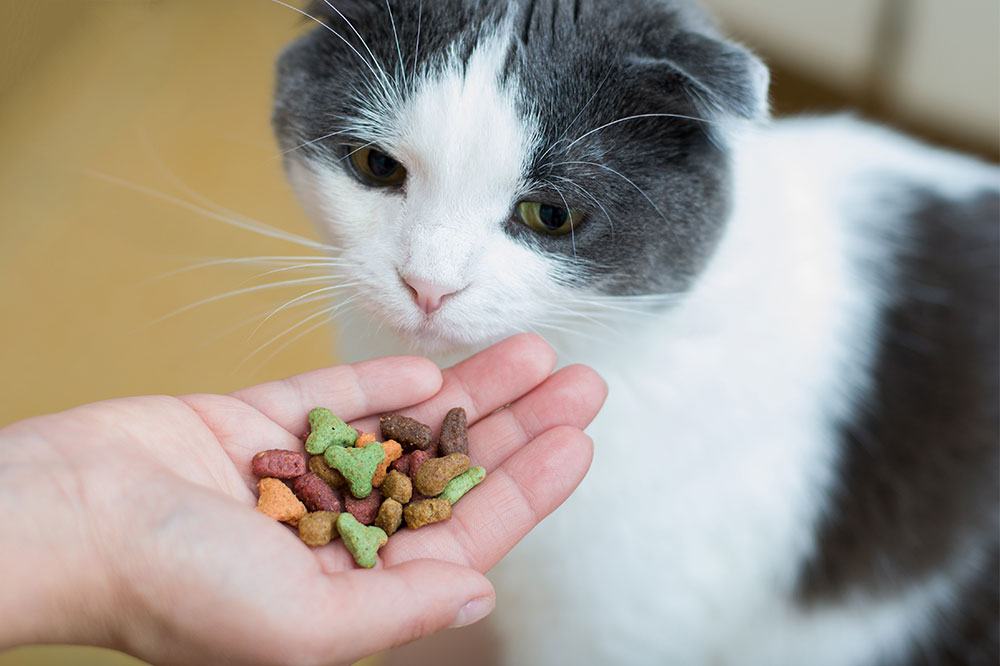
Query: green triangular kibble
point(328, 430)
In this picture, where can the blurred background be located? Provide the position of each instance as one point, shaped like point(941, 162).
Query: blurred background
point(131, 128)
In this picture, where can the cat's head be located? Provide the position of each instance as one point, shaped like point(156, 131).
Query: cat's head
point(487, 165)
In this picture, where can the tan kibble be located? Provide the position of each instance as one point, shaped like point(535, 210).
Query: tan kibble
point(332, 477)
point(398, 486)
point(425, 512)
point(433, 476)
point(318, 528)
point(389, 517)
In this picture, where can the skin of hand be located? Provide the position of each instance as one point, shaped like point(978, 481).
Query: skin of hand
point(130, 524)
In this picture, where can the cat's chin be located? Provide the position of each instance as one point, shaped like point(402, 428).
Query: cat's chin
point(433, 339)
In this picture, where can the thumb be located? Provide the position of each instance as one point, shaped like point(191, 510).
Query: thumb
point(388, 607)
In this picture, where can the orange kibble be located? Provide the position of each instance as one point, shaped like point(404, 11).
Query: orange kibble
point(363, 439)
point(279, 502)
point(393, 451)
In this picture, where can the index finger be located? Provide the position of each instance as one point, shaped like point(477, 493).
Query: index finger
point(350, 391)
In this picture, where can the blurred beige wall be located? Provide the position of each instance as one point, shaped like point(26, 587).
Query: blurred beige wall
point(148, 91)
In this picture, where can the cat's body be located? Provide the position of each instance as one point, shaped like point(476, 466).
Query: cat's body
point(797, 461)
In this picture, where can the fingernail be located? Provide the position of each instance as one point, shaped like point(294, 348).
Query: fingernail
point(474, 611)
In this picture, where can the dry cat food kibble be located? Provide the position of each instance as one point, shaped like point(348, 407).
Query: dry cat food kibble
point(362, 489)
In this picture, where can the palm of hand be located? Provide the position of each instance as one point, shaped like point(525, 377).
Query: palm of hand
point(200, 578)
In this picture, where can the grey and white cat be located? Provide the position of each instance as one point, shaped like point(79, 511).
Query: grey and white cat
point(797, 320)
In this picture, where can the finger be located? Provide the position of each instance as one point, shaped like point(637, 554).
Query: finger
point(491, 519)
point(392, 606)
point(350, 391)
point(485, 382)
point(571, 397)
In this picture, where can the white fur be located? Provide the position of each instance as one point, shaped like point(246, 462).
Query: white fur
point(716, 449)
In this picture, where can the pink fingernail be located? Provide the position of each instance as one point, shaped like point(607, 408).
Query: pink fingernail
point(474, 611)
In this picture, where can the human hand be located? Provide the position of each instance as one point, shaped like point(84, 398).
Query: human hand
point(131, 523)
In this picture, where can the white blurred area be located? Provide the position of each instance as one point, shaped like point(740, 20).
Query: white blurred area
point(931, 64)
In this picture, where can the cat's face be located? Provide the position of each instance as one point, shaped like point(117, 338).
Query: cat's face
point(487, 166)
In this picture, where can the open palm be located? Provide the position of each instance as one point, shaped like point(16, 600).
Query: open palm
point(189, 573)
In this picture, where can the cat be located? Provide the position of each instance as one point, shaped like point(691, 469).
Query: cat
point(797, 319)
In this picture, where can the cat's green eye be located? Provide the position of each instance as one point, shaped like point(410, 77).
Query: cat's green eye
point(546, 219)
point(376, 168)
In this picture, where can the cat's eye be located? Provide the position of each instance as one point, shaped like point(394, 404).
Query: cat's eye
point(547, 219)
point(376, 168)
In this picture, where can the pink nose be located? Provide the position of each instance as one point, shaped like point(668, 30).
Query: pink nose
point(427, 295)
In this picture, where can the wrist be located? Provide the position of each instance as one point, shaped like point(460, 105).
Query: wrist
point(56, 586)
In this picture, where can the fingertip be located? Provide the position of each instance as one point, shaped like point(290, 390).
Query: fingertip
point(531, 347)
point(420, 376)
point(589, 377)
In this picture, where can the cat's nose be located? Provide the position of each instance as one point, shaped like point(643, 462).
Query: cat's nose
point(427, 295)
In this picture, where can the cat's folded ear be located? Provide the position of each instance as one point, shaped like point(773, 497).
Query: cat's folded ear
point(720, 77)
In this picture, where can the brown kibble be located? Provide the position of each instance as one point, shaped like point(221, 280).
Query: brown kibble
point(408, 432)
point(434, 475)
point(393, 451)
point(389, 517)
point(318, 528)
point(454, 433)
point(277, 501)
point(316, 494)
point(397, 486)
point(364, 439)
point(278, 464)
point(364, 510)
point(330, 476)
point(425, 512)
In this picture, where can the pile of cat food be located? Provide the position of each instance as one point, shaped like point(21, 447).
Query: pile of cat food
point(362, 490)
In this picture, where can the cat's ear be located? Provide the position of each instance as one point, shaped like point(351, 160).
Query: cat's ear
point(721, 78)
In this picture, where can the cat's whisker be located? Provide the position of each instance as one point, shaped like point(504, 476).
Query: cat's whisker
point(581, 315)
point(592, 198)
point(279, 260)
point(329, 28)
point(314, 141)
point(416, 56)
point(247, 225)
point(636, 117)
point(637, 188)
point(387, 88)
point(239, 292)
point(297, 267)
point(186, 189)
point(590, 101)
point(392, 20)
point(327, 314)
point(305, 298)
point(572, 232)
point(546, 325)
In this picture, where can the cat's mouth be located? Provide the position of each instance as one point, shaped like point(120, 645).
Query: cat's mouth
point(448, 328)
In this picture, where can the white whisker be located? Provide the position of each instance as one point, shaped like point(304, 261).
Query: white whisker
point(637, 188)
point(239, 292)
point(382, 75)
point(402, 66)
point(278, 260)
point(305, 298)
point(643, 115)
point(256, 227)
point(592, 198)
point(329, 312)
